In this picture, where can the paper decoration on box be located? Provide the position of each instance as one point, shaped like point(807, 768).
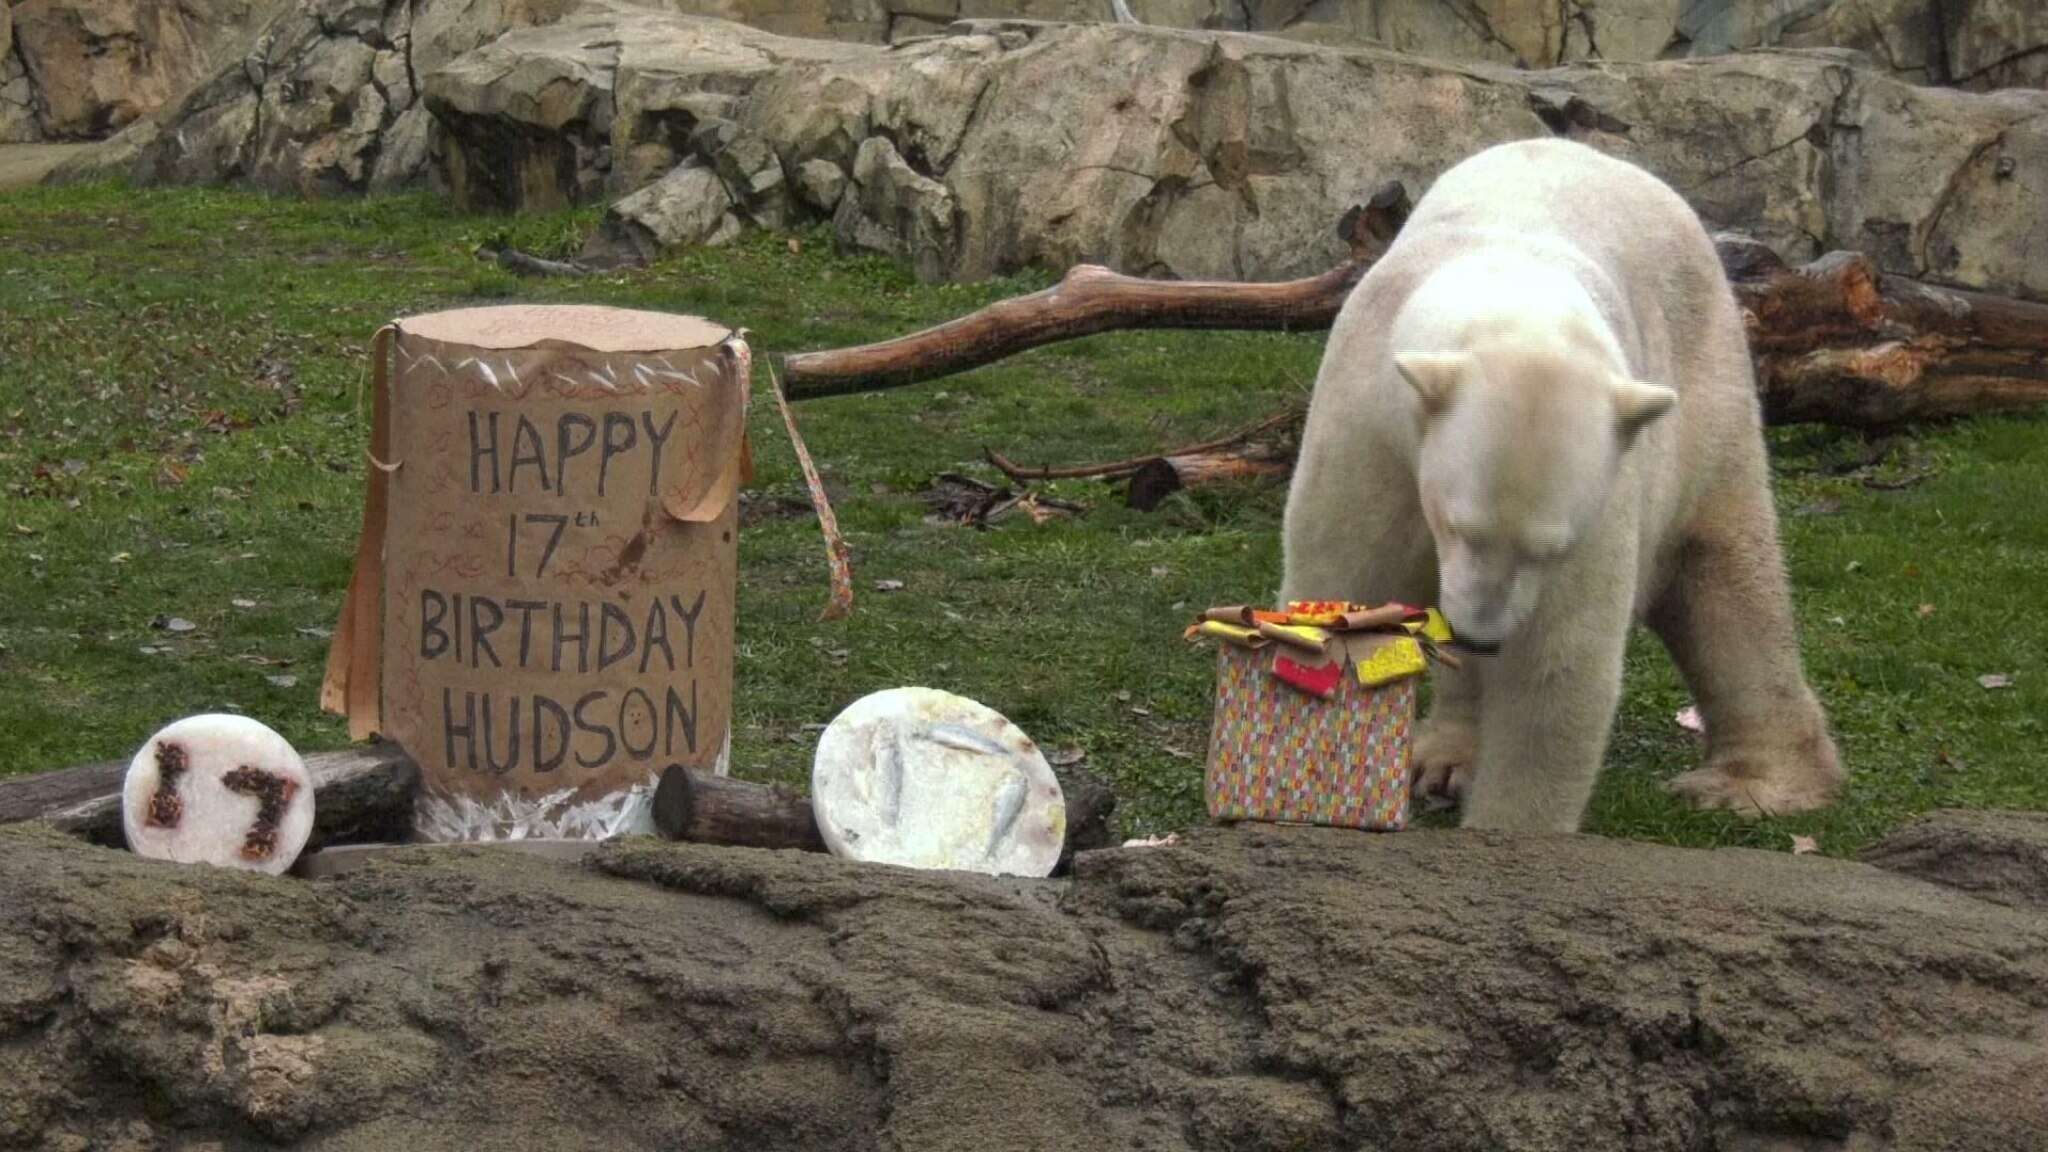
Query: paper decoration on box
point(1315, 707)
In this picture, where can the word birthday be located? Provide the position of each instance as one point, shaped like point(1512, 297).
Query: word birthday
point(538, 732)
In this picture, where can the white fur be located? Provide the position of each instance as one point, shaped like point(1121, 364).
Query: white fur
point(1538, 412)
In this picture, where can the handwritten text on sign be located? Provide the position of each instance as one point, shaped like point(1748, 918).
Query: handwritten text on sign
point(559, 624)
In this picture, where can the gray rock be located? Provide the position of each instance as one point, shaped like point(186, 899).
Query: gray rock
point(1233, 155)
point(893, 208)
point(819, 184)
point(96, 66)
point(688, 206)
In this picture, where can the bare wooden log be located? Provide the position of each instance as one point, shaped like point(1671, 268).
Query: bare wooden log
point(1162, 477)
point(361, 793)
point(708, 809)
point(1838, 342)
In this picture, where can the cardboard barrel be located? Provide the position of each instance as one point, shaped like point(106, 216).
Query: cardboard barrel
point(541, 613)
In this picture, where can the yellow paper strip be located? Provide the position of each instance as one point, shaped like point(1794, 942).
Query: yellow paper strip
point(1247, 637)
point(1392, 661)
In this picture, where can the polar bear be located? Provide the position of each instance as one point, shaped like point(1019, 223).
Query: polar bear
point(1537, 411)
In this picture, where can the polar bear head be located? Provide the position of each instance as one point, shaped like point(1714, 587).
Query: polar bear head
point(1522, 435)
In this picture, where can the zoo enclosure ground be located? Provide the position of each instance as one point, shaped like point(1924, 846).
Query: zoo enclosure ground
point(182, 435)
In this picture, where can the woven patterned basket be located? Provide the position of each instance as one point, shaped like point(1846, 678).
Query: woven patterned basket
point(1279, 754)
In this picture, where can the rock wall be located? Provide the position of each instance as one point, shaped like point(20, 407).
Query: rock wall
point(77, 69)
point(1204, 154)
point(82, 69)
point(1252, 989)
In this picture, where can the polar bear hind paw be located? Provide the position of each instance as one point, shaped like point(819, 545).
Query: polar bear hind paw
point(1750, 789)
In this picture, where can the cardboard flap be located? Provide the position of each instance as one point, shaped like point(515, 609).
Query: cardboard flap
point(351, 685)
point(711, 467)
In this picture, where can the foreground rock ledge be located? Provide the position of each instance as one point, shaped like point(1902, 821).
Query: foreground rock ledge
point(1255, 988)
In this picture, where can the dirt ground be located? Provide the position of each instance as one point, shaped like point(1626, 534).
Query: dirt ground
point(1259, 989)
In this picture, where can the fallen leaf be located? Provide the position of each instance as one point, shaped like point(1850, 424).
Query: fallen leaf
point(118, 558)
point(1688, 718)
point(24, 530)
point(1804, 845)
point(1924, 611)
point(1066, 757)
point(283, 681)
point(1123, 694)
point(317, 633)
point(262, 661)
point(1995, 680)
point(172, 623)
point(1139, 711)
point(888, 585)
point(1160, 571)
point(1854, 566)
point(795, 246)
point(1177, 753)
point(240, 602)
point(151, 649)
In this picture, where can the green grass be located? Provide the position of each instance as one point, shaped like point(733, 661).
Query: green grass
point(153, 465)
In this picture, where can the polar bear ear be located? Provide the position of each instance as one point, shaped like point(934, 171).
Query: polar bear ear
point(1637, 403)
point(1433, 375)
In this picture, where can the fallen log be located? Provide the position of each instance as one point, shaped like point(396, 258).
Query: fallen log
point(1835, 341)
point(705, 809)
point(1838, 342)
point(362, 793)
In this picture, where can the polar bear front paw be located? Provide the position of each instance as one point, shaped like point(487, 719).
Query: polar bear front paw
point(1441, 768)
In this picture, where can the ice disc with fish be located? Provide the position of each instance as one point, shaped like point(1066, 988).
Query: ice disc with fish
point(927, 779)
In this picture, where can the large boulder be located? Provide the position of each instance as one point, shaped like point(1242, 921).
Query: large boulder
point(1974, 44)
point(322, 99)
point(1219, 154)
point(1256, 988)
point(95, 66)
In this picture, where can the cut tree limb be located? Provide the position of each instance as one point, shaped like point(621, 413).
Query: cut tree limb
point(1091, 299)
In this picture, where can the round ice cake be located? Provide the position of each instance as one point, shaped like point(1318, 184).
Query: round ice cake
point(926, 779)
point(218, 789)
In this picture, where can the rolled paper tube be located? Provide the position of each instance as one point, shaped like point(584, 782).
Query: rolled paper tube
point(1239, 614)
point(1261, 616)
point(1437, 628)
point(1297, 636)
point(1243, 637)
point(1366, 619)
point(218, 789)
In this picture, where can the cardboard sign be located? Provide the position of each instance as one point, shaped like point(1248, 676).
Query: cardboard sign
point(542, 610)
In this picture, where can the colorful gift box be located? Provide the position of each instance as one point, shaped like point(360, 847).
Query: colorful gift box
point(1315, 708)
